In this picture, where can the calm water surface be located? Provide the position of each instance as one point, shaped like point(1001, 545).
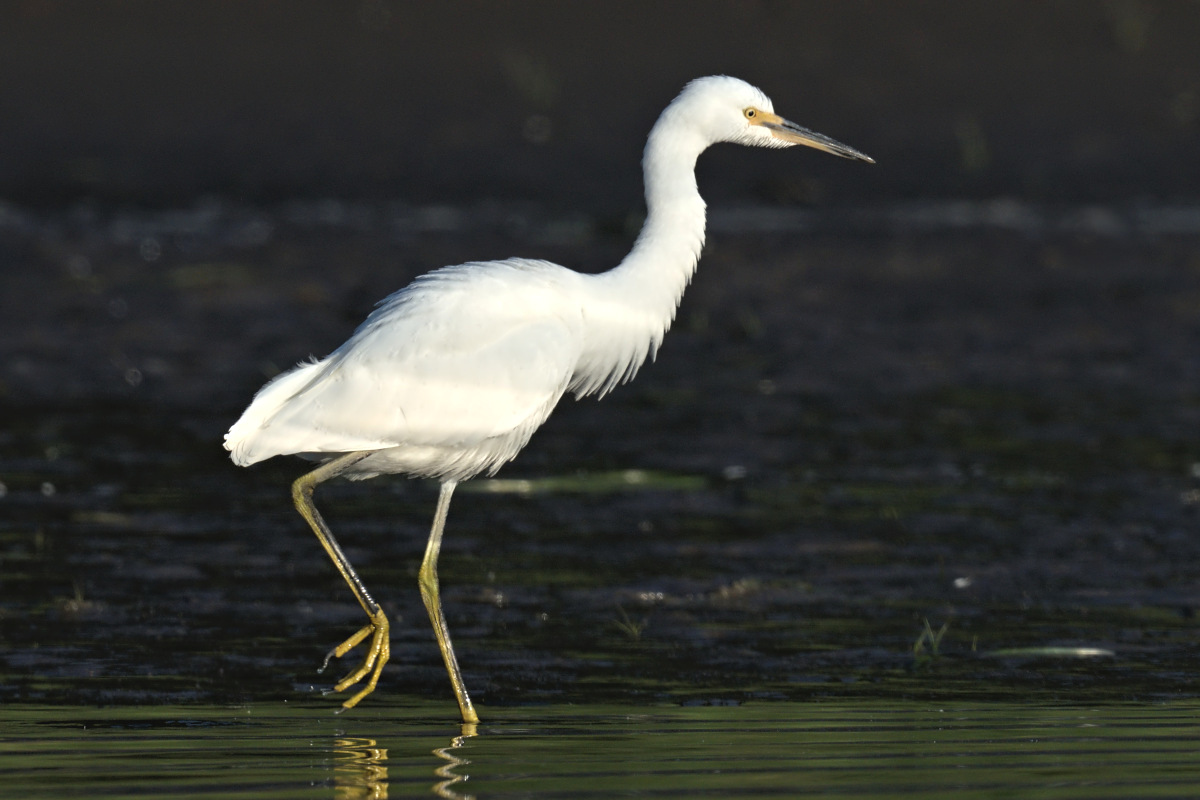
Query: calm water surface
point(833, 749)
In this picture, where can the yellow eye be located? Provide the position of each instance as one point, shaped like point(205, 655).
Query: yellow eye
point(751, 112)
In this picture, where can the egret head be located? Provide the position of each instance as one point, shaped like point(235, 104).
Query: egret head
point(726, 109)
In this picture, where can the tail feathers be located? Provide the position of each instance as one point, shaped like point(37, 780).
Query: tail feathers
point(247, 440)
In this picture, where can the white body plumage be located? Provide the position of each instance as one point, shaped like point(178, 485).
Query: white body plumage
point(450, 376)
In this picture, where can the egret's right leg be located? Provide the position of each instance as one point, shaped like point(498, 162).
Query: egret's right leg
point(430, 593)
point(380, 647)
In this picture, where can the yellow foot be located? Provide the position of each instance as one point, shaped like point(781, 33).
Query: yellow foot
point(378, 653)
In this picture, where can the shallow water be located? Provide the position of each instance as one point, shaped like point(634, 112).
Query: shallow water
point(828, 749)
point(907, 506)
point(888, 515)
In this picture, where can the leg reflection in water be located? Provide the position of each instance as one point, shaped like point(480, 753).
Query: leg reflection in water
point(450, 772)
point(360, 769)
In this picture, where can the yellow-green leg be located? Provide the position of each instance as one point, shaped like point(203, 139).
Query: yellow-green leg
point(380, 648)
point(428, 580)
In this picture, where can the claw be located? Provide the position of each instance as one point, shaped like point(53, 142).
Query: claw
point(352, 642)
point(377, 656)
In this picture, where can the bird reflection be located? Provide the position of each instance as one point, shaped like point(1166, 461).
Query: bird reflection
point(360, 768)
point(447, 772)
point(360, 771)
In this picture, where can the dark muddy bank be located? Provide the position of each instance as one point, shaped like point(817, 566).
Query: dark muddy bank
point(878, 406)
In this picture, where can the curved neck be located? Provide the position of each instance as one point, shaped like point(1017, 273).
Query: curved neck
point(630, 307)
point(664, 257)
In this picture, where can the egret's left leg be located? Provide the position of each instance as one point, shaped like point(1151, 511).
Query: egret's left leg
point(428, 580)
point(377, 628)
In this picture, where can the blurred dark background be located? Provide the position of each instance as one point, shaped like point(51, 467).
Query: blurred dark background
point(192, 188)
point(156, 103)
point(960, 385)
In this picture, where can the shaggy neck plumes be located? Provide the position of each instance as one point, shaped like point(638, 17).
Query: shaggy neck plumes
point(644, 290)
point(664, 257)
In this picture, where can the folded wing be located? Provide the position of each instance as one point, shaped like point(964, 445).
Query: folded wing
point(463, 355)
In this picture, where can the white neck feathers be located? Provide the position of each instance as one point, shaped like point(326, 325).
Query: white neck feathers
point(644, 290)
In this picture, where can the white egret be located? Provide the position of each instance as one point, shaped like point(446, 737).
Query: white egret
point(450, 376)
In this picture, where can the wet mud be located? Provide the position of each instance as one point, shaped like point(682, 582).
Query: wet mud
point(849, 441)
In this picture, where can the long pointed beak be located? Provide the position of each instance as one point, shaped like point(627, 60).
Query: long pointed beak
point(792, 133)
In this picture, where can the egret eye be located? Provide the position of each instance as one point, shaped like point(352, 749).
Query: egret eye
point(751, 112)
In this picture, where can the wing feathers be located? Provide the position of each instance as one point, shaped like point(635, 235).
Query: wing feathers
point(462, 356)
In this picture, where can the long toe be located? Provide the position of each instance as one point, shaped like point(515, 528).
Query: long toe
point(385, 653)
point(349, 644)
point(378, 652)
